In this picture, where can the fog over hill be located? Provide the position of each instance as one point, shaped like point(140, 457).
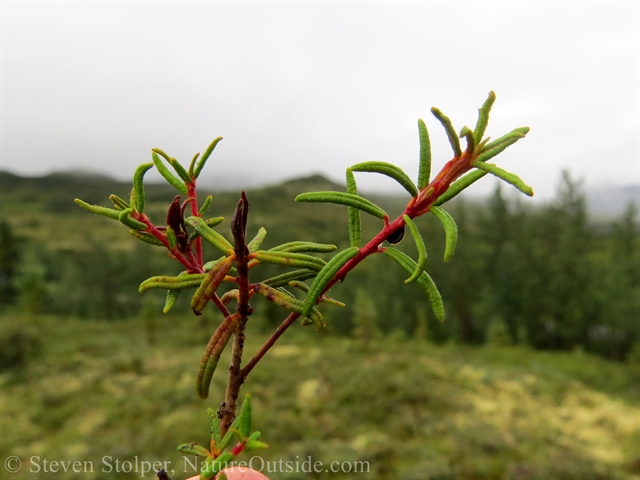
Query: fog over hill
point(606, 201)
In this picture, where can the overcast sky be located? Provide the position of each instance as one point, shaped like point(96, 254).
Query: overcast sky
point(298, 88)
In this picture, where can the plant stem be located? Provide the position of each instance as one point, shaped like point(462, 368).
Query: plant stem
point(227, 412)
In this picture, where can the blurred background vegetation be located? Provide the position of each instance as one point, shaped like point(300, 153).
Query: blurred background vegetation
point(534, 374)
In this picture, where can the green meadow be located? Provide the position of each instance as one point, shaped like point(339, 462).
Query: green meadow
point(404, 408)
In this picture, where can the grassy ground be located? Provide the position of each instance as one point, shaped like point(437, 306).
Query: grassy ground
point(99, 391)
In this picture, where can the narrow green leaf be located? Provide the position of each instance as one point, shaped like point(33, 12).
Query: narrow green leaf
point(286, 292)
point(288, 302)
point(302, 247)
point(205, 157)
point(325, 276)
point(424, 171)
point(450, 231)
point(107, 212)
point(172, 296)
point(211, 356)
point(324, 299)
point(255, 445)
point(146, 237)
point(125, 217)
point(483, 117)
point(138, 185)
point(209, 265)
point(508, 177)
point(451, 132)
point(168, 176)
point(498, 146)
point(285, 278)
point(459, 185)
point(172, 283)
point(424, 281)
point(471, 141)
point(254, 244)
point(214, 426)
point(389, 170)
point(205, 205)
point(209, 285)
point(171, 237)
point(119, 203)
point(244, 425)
point(194, 449)
point(230, 295)
point(299, 285)
point(289, 259)
point(422, 250)
point(192, 165)
point(170, 300)
point(343, 199)
point(210, 222)
point(182, 173)
point(355, 223)
point(211, 236)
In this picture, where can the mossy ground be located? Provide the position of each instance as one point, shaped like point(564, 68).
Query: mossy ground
point(95, 389)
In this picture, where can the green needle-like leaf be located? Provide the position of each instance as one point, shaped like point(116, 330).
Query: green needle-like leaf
point(343, 199)
point(211, 236)
point(210, 222)
point(290, 303)
point(355, 222)
point(244, 425)
point(172, 283)
point(451, 132)
point(146, 237)
point(205, 157)
point(424, 281)
point(170, 300)
point(211, 356)
point(180, 170)
point(459, 185)
point(138, 185)
point(119, 203)
point(192, 165)
point(483, 117)
point(289, 259)
point(168, 176)
point(254, 244)
point(125, 218)
point(498, 146)
point(422, 250)
point(450, 231)
point(389, 170)
point(299, 285)
point(424, 171)
point(205, 205)
point(301, 247)
point(194, 449)
point(255, 445)
point(172, 297)
point(325, 276)
point(285, 278)
point(209, 285)
point(107, 212)
point(471, 141)
point(508, 177)
point(214, 426)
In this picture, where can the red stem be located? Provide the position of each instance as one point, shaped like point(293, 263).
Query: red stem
point(191, 189)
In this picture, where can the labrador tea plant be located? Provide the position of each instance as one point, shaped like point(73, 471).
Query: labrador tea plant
point(239, 262)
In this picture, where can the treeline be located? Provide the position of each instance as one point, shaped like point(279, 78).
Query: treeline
point(545, 277)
